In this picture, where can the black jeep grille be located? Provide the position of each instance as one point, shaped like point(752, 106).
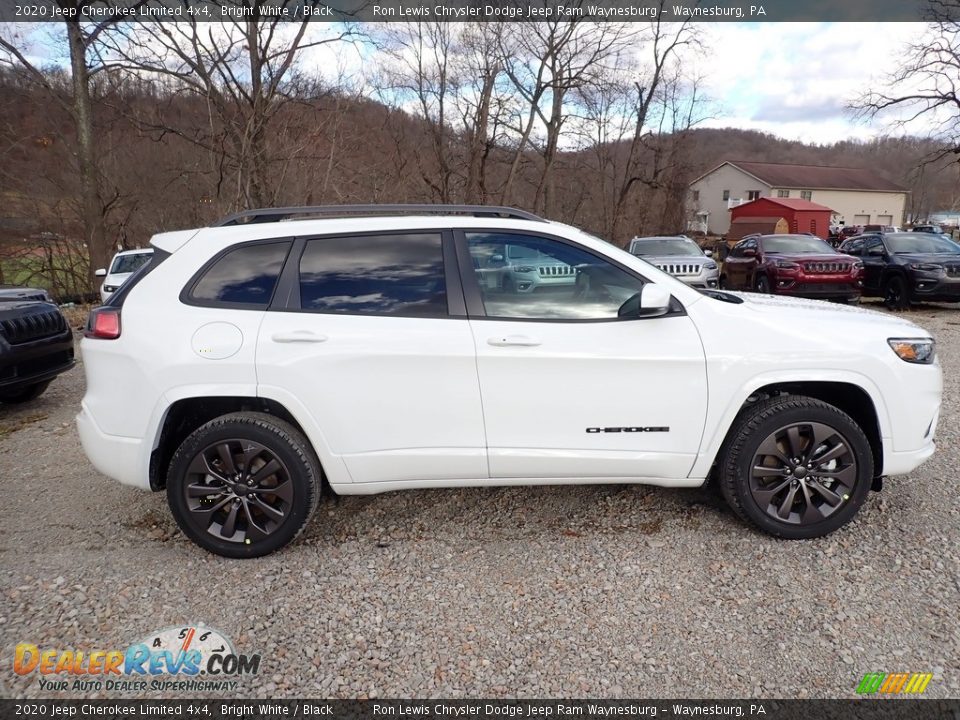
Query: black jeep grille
point(32, 327)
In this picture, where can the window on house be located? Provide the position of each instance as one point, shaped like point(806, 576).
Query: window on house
point(806, 194)
point(696, 196)
point(783, 193)
point(753, 195)
point(726, 195)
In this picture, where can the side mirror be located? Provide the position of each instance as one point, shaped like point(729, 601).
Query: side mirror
point(708, 253)
point(100, 273)
point(652, 301)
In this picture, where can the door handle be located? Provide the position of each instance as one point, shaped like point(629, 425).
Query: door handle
point(298, 336)
point(512, 340)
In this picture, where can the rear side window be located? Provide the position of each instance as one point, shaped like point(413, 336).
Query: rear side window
point(244, 276)
point(397, 274)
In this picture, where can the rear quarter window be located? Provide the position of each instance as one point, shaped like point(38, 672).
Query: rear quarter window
point(244, 276)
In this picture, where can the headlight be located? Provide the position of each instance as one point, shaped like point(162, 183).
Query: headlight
point(524, 269)
point(709, 265)
point(914, 350)
point(111, 288)
point(926, 267)
point(787, 265)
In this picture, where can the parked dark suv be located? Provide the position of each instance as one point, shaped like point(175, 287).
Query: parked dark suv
point(36, 343)
point(907, 267)
point(798, 265)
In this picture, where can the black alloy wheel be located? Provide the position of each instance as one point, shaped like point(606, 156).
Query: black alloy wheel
point(795, 466)
point(763, 284)
point(803, 473)
point(895, 294)
point(244, 484)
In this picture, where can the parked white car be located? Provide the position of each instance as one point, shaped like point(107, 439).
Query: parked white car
point(123, 265)
point(250, 364)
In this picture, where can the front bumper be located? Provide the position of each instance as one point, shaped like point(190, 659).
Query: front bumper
point(941, 288)
point(805, 286)
point(34, 362)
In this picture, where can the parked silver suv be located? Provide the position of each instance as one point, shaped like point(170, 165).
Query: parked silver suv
point(520, 269)
point(679, 256)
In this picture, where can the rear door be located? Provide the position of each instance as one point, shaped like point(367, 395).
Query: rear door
point(371, 338)
point(573, 387)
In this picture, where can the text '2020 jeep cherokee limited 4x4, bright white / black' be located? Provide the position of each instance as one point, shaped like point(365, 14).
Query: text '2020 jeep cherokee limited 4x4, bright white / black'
point(377, 348)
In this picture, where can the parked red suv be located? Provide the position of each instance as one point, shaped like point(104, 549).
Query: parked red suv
point(792, 265)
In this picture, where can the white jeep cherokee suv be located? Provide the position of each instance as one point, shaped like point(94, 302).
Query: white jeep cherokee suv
point(251, 364)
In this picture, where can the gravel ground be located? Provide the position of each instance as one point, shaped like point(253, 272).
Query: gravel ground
point(600, 591)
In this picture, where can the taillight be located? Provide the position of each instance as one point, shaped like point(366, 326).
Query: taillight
point(104, 323)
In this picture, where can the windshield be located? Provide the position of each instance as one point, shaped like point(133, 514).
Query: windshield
point(795, 244)
point(920, 243)
point(661, 247)
point(129, 263)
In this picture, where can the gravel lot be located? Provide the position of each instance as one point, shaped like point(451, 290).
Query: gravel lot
point(570, 591)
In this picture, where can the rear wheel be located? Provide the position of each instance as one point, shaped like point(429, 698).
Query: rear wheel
point(895, 294)
point(244, 484)
point(26, 394)
point(795, 467)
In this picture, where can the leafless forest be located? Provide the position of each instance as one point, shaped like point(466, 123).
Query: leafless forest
point(148, 127)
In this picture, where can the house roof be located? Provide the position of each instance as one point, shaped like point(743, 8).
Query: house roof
point(792, 203)
point(813, 177)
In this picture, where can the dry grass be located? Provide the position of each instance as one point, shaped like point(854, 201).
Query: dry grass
point(77, 315)
point(6, 428)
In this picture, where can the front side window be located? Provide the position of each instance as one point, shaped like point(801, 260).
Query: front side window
point(244, 276)
point(535, 278)
point(390, 274)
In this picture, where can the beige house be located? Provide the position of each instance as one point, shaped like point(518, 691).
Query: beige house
point(857, 196)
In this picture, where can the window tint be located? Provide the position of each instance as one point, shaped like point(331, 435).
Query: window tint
point(853, 247)
point(873, 246)
point(534, 278)
point(245, 275)
point(374, 274)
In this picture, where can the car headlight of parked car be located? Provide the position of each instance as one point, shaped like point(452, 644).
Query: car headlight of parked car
point(524, 269)
point(787, 265)
point(914, 350)
point(709, 265)
point(111, 288)
point(926, 267)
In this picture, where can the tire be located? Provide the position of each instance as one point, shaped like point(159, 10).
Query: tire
point(263, 522)
point(896, 295)
point(26, 394)
point(801, 504)
point(722, 283)
point(762, 284)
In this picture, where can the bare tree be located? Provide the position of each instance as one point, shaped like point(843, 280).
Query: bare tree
point(242, 69)
point(927, 83)
point(82, 38)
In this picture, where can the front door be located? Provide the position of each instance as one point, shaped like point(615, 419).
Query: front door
point(874, 258)
point(571, 389)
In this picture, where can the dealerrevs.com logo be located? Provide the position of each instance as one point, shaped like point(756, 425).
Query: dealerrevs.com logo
point(186, 658)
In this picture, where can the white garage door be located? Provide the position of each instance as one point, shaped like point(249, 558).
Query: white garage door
point(884, 219)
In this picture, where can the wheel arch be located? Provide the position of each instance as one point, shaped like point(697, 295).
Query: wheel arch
point(185, 415)
point(860, 402)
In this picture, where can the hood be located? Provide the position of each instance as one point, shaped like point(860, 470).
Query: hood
point(676, 259)
point(811, 257)
point(10, 293)
point(937, 258)
point(800, 311)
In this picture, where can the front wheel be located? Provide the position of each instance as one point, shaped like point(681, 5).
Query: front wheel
point(795, 467)
point(895, 294)
point(244, 485)
point(762, 284)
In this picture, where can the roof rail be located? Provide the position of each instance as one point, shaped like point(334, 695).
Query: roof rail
point(265, 215)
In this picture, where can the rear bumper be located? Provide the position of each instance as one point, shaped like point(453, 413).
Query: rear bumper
point(119, 458)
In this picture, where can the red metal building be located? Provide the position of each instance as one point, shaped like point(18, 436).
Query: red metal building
point(802, 216)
